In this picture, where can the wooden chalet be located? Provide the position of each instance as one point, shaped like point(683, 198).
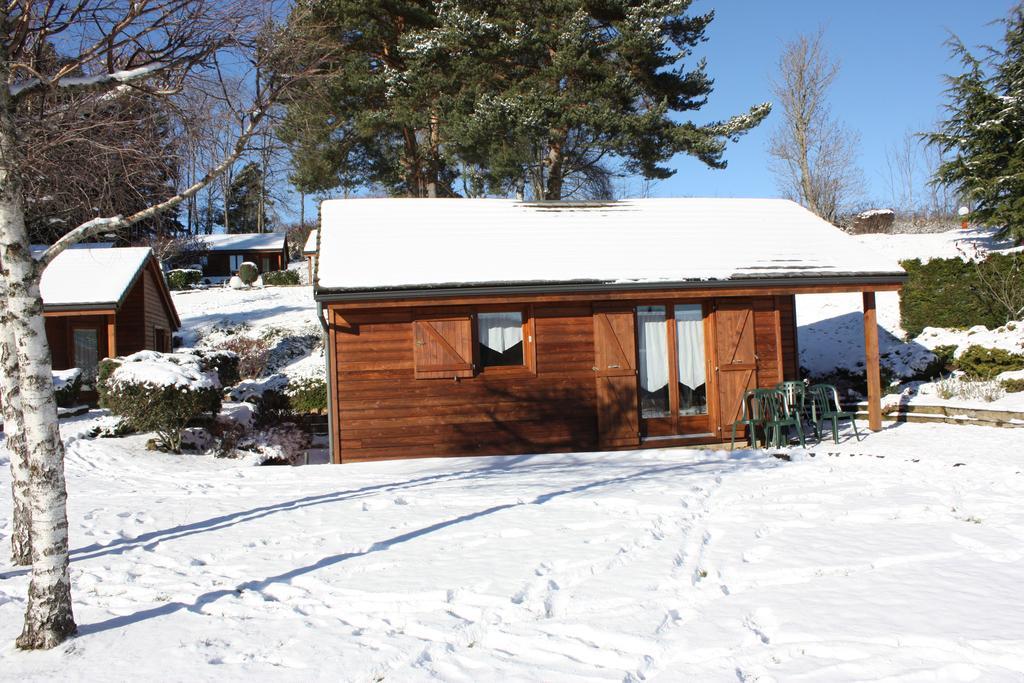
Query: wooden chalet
point(488, 326)
point(225, 253)
point(100, 303)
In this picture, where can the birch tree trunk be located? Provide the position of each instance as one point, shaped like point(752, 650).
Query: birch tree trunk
point(48, 615)
point(10, 398)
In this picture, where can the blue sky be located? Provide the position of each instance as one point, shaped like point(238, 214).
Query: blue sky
point(893, 59)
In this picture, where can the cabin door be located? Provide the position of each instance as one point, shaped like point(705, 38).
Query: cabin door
point(616, 376)
point(673, 368)
point(735, 356)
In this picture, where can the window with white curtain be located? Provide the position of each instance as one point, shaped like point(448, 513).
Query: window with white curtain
point(693, 396)
point(500, 336)
point(652, 340)
point(236, 261)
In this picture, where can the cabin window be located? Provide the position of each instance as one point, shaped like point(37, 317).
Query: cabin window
point(692, 367)
point(652, 340)
point(500, 339)
point(236, 262)
point(204, 260)
point(266, 264)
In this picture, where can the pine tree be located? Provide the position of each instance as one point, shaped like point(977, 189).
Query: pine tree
point(556, 95)
point(983, 132)
point(245, 211)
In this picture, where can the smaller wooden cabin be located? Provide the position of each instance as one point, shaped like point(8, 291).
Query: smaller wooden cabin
point(489, 326)
point(309, 252)
point(225, 253)
point(100, 303)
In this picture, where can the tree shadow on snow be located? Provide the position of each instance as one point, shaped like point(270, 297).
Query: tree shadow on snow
point(738, 461)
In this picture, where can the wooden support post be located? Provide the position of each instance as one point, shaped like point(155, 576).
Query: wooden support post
point(111, 336)
point(871, 362)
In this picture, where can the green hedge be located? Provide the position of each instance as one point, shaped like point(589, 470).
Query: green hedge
point(949, 293)
point(183, 278)
point(979, 362)
point(307, 395)
point(277, 278)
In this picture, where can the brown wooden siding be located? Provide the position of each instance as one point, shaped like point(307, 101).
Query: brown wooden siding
point(383, 411)
point(790, 344)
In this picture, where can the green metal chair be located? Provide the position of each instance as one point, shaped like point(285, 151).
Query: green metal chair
point(796, 394)
point(825, 407)
point(753, 417)
point(780, 413)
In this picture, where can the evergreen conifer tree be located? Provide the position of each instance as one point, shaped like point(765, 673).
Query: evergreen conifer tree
point(984, 129)
point(556, 96)
point(246, 212)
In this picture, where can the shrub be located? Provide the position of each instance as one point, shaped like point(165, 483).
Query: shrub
point(253, 354)
point(158, 392)
point(67, 384)
point(247, 273)
point(953, 293)
point(184, 278)
point(277, 278)
point(224, 362)
point(281, 445)
point(979, 362)
point(1012, 386)
point(969, 389)
point(307, 395)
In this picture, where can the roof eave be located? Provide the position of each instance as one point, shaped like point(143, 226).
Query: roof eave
point(327, 295)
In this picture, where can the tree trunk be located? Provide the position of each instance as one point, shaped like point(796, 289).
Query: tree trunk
point(10, 398)
point(555, 162)
point(48, 616)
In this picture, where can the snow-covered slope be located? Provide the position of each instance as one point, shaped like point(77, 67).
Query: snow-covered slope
point(285, 316)
point(899, 557)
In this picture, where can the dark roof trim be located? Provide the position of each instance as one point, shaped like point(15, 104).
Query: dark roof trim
point(80, 307)
point(431, 292)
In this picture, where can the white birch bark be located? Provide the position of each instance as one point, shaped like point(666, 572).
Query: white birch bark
point(10, 398)
point(48, 616)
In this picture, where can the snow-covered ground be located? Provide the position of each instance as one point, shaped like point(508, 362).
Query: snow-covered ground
point(900, 557)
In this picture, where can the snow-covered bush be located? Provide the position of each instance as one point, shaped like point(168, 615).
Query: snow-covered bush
point(285, 444)
point(183, 278)
point(307, 395)
point(252, 352)
point(67, 384)
point(1012, 386)
point(159, 392)
point(277, 278)
point(247, 273)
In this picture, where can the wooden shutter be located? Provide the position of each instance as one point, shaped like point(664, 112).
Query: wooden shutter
point(618, 405)
point(443, 347)
point(735, 356)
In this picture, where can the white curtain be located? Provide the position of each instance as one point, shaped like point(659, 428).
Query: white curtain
point(500, 331)
point(653, 340)
point(690, 342)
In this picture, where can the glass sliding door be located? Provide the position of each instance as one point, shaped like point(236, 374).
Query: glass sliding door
point(652, 344)
point(672, 370)
point(692, 364)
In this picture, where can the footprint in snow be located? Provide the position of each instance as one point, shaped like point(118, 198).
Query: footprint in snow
point(757, 554)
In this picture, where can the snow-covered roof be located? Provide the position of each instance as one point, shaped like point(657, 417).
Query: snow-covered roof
point(374, 244)
point(245, 241)
point(310, 248)
point(38, 249)
point(91, 277)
